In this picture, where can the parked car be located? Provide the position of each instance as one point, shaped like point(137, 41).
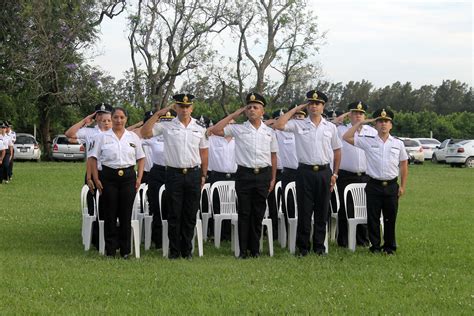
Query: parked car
point(461, 153)
point(429, 145)
point(414, 150)
point(26, 147)
point(62, 149)
point(439, 155)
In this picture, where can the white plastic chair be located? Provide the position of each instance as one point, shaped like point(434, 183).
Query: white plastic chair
point(135, 235)
point(145, 219)
point(164, 223)
point(206, 215)
point(282, 238)
point(292, 221)
point(227, 202)
point(359, 199)
point(334, 210)
point(87, 219)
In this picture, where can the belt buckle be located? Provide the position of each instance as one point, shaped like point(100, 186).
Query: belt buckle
point(359, 173)
point(315, 168)
point(227, 175)
point(384, 183)
point(185, 170)
point(256, 170)
point(120, 172)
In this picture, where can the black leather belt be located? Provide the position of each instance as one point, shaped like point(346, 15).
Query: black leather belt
point(223, 174)
point(350, 174)
point(159, 167)
point(120, 171)
point(182, 170)
point(288, 170)
point(253, 170)
point(313, 167)
point(383, 183)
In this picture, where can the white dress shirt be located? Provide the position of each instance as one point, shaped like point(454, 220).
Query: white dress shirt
point(253, 147)
point(383, 158)
point(3, 144)
point(117, 153)
point(156, 147)
point(182, 143)
point(86, 135)
point(222, 155)
point(314, 144)
point(286, 150)
point(353, 158)
point(12, 135)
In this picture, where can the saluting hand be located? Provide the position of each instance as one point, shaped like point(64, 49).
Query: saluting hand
point(369, 121)
point(89, 119)
point(338, 120)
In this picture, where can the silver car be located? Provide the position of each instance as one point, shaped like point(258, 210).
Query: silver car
point(62, 149)
point(26, 147)
point(414, 150)
point(461, 153)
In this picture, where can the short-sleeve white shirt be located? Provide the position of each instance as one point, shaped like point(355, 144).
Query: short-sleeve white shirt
point(353, 158)
point(253, 147)
point(182, 143)
point(221, 155)
point(117, 153)
point(156, 147)
point(314, 144)
point(286, 149)
point(383, 158)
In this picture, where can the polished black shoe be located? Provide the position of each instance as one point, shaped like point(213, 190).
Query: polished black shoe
point(374, 250)
point(173, 256)
point(388, 251)
point(302, 253)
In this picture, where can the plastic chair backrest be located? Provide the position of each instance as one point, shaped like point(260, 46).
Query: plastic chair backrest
point(84, 209)
point(227, 196)
point(359, 199)
point(146, 206)
point(160, 198)
point(206, 190)
point(136, 205)
point(291, 188)
point(338, 203)
point(278, 194)
point(96, 204)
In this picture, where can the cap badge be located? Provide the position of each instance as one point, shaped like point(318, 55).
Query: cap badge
point(168, 113)
point(102, 107)
point(359, 106)
point(252, 97)
point(383, 113)
point(315, 95)
point(185, 98)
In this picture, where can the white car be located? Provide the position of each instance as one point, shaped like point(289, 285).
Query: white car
point(461, 153)
point(429, 145)
point(439, 155)
point(26, 147)
point(414, 150)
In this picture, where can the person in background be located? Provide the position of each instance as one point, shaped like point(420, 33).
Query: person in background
point(12, 135)
point(7, 153)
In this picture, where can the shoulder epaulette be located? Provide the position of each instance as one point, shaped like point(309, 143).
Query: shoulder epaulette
point(202, 124)
point(368, 136)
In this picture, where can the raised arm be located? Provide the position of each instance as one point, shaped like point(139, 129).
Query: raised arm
point(282, 120)
point(146, 130)
point(72, 131)
point(349, 135)
point(218, 128)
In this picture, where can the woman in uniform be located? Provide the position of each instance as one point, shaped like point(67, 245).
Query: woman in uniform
point(118, 151)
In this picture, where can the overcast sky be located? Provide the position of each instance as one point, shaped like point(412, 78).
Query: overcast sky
point(383, 42)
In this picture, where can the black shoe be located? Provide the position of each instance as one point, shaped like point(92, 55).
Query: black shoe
point(374, 249)
point(255, 255)
point(243, 256)
point(388, 251)
point(302, 253)
point(173, 256)
point(320, 252)
point(126, 257)
point(188, 257)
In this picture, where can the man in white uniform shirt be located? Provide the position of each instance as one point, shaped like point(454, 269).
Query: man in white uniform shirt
point(7, 155)
point(317, 143)
point(186, 157)
point(255, 154)
point(386, 159)
point(352, 170)
point(12, 135)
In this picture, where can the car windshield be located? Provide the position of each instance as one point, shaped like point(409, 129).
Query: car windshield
point(429, 141)
point(22, 139)
point(62, 141)
point(455, 141)
point(410, 143)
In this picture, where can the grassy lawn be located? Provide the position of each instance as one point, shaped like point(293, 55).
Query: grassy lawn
point(44, 269)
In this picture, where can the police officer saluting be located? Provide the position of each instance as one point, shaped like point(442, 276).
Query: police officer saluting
point(255, 154)
point(352, 170)
point(118, 151)
point(386, 159)
point(316, 143)
point(186, 157)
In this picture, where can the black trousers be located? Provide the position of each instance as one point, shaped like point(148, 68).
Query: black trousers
point(383, 199)
point(156, 178)
point(313, 195)
point(288, 175)
point(346, 178)
point(252, 192)
point(215, 176)
point(10, 168)
point(6, 166)
point(117, 202)
point(183, 193)
point(273, 207)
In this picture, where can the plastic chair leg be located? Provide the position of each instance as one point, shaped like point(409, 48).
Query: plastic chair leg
point(333, 227)
point(217, 231)
point(351, 235)
point(205, 225)
point(326, 239)
point(101, 237)
point(87, 232)
point(198, 231)
point(166, 242)
point(268, 223)
point(136, 237)
point(235, 237)
point(292, 225)
point(147, 223)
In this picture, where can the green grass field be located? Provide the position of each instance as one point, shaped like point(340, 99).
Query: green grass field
point(44, 269)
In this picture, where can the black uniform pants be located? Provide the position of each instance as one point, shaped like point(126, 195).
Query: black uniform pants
point(345, 178)
point(156, 178)
point(313, 195)
point(273, 207)
point(6, 166)
point(382, 198)
point(10, 168)
point(117, 202)
point(288, 175)
point(215, 176)
point(183, 193)
point(252, 192)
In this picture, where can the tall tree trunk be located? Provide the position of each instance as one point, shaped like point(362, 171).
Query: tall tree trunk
point(45, 125)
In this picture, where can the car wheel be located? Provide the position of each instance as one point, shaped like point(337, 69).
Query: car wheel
point(434, 159)
point(452, 165)
point(469, 162)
